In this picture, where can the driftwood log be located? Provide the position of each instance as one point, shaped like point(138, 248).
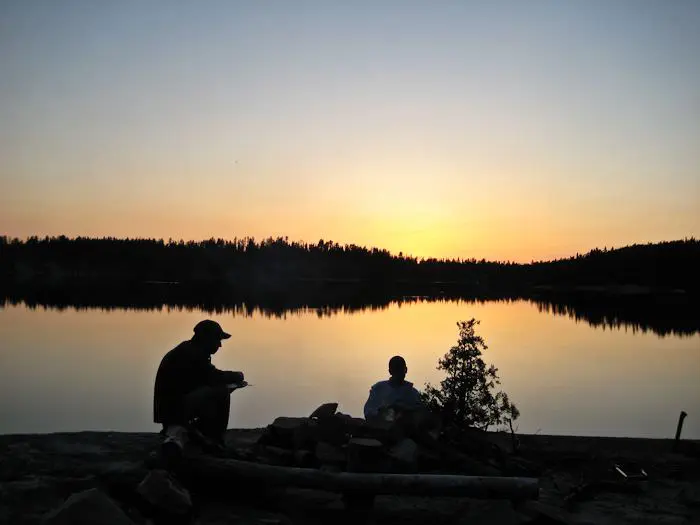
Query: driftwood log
point(482, 487)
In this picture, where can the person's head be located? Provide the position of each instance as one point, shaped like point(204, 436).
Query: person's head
point(208, 335)
point(397, 368)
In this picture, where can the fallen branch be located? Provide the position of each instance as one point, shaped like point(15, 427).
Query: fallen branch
point(482, 487)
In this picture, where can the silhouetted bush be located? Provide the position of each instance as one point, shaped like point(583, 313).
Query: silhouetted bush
point(468, 397)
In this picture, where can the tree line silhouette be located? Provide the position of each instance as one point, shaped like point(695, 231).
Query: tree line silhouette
point(280, 264)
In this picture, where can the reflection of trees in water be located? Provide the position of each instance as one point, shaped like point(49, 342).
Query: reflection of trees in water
point(321, 301)
point(661, 315)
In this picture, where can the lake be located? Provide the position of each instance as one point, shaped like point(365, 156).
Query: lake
point(73, 369)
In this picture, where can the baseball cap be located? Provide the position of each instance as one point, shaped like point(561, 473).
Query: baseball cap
point(210, 328)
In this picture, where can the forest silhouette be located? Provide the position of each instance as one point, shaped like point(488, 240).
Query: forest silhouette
point(648, 287)
point(280, 264)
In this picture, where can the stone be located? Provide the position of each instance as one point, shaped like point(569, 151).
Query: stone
point(303, 458)
point(292, 432)
point(87, 508)
point(329, 454)
point(405, 451)
point(287, 425)
point(365, 455)
point(164, 492)
point(331, 430)
point(325, 410)
point(277, 455)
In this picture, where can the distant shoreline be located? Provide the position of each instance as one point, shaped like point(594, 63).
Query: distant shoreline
point(280, 265)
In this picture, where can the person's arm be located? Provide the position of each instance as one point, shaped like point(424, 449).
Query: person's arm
point(374, 403)
point(212, 375)
point(409, 399)
point(415, 398)
point(223, 377)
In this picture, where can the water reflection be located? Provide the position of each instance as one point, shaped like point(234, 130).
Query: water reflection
point(92, 368)
point(671, 314)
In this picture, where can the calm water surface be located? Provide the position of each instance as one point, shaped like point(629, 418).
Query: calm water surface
point(93, 369)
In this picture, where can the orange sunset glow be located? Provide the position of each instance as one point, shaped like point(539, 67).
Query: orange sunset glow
point(450, 130)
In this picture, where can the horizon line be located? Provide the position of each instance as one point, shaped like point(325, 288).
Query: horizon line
point(286, 239)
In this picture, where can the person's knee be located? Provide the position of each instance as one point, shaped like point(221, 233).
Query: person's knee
point(202, 402)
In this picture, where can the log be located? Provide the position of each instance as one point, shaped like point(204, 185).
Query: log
point(482, 487)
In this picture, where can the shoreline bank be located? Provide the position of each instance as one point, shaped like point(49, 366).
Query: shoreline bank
point(39, 471)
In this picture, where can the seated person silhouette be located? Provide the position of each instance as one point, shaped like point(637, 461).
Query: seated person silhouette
point(388, 399)
point(191, 396)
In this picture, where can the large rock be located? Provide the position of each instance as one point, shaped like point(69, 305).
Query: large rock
point(88, 508)
point(405, 452)
point(329, 454)
point(288, 432)
point(288, 425)
point(277, 455)
point(365, 455)
point(164, 493)
point(304, 459)
point(330, 430)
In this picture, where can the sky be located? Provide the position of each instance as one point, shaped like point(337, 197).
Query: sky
point(503, 130)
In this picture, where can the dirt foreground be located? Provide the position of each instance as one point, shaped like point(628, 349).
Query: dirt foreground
point(578, 484)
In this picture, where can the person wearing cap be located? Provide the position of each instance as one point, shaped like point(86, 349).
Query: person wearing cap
point(190, 391)
point(394, 394)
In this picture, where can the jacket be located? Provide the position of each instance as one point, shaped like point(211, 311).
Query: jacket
point(385, 393)
point(182, 370)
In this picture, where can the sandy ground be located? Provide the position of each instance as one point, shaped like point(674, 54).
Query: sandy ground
point(38, 472)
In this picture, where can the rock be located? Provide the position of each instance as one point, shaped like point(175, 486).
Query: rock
point(365, 455)
point(325, 410)
point(163, 492)
point(405, 451)
point(303, 458)
point(329, 454)
point(290, 432)
point(277, 455)
point(87, 508)
point(331, 430)
point(287, 425)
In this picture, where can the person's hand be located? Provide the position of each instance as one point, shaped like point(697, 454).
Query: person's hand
point(236, 386)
